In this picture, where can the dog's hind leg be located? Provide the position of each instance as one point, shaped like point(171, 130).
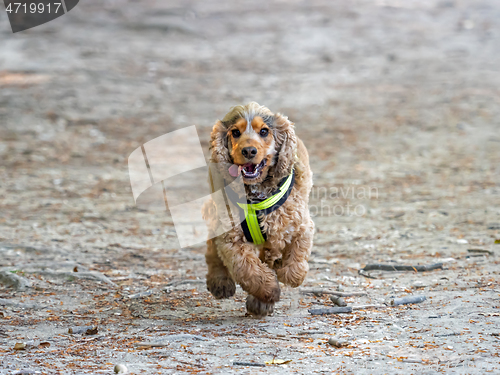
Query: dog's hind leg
point(219, 281)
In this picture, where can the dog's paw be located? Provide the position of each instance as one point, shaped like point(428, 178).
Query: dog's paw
point(269, 293)
point(221, 287)
point(259, 308)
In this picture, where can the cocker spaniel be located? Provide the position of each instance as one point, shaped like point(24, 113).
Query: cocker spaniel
point(273, 237)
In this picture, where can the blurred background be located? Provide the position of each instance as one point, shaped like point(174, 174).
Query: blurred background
point(398, 98)
point(402, 95)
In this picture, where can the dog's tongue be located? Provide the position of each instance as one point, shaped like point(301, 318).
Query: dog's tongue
point(234, 170)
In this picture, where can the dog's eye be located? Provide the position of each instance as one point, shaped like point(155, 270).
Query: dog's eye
point(264, 132)
point(236, 133)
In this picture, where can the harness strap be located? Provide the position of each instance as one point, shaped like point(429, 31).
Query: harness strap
point(250, 212)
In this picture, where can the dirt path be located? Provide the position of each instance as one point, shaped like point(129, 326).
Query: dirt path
point(398, 104)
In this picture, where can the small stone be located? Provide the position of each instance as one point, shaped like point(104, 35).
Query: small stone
point(419, 284)
point(339, 301)
point(468, 24)
point(120, 369)
point(337, 343)
point(85, 330)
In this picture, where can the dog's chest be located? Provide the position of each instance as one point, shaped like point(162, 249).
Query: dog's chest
point(281, 225)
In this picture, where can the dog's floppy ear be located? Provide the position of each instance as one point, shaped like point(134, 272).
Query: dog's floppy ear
point(286, 145)
point(219, 144)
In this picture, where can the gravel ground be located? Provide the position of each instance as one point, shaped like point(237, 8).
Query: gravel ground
point(398, 104)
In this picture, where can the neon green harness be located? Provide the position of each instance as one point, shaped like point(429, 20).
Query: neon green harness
point(252, 210)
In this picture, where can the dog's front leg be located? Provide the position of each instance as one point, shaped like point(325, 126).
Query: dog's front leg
point(294, 266)
point(255, 277)
point(219, 281)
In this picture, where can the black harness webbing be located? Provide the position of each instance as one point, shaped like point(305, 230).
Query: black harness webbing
point(251, 210)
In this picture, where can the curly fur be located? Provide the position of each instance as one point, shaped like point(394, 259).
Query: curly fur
point(283, 257)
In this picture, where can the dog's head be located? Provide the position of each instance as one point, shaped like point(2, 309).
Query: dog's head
point(252, 141)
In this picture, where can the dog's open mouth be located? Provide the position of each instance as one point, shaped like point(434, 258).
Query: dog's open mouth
point(248, 170)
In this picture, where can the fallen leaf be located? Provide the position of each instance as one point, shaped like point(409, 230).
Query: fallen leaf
point(20, 346)
point(278, 361)
point(22, 79)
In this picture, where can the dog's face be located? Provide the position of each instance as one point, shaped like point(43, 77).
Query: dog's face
point(252, 148)
point(253, 142)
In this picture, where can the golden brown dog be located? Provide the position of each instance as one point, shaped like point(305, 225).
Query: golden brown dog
point(263, 148)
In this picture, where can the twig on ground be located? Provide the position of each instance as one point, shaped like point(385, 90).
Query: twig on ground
point(489, 252)
point(83, 342)
point(172, 286)
point(16, 281)
point(26, 248)
point(249, 364)
point(367, 275)
point(337, 343)
point(366, 307)
point(475, 256)
point(407, 300)
point(180, 282)
point(184, 336)
point(140, 294)
point(146, 345)
point(359, 307)
point(331, 310)
point(169, 338)
point(233, 334)
point(91, 275)
point(334, 293)
point(449, 334)
point(390, 267)
point(312, 332)
point(20, 305)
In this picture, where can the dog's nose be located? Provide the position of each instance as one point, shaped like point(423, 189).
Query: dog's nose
point(249, 152)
